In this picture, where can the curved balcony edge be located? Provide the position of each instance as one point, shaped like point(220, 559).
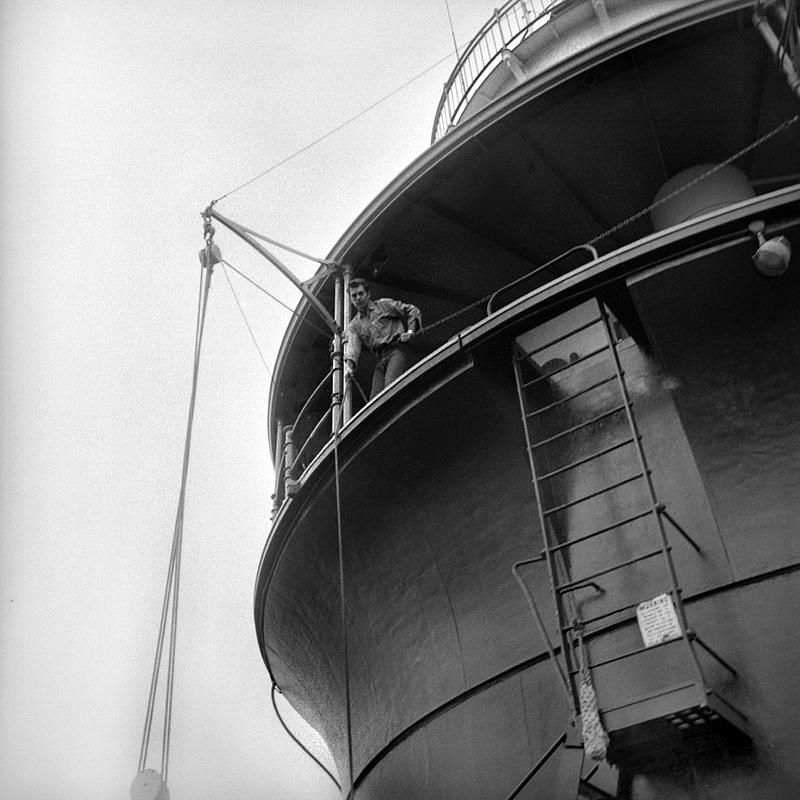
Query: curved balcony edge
point(707, 232)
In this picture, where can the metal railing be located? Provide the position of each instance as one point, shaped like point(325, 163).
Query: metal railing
point(300, 440)
point(505, 30)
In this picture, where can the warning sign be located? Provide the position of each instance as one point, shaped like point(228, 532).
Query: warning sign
point(658, 621)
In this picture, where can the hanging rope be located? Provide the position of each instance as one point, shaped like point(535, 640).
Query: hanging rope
point(208, 257)
point(343, 608)
point(279, 302)
point(595, 738)
point(244, 317)
point(452, 32)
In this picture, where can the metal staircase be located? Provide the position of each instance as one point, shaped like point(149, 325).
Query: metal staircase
point(607, 548)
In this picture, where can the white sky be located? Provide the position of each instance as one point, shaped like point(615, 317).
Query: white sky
point(119, 122)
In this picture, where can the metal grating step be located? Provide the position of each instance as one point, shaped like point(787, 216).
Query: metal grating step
point(680, 734)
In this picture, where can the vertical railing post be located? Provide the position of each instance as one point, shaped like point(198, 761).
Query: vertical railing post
point(347, 315)
point(337, 376)
point(277, 497)
point(289, 454)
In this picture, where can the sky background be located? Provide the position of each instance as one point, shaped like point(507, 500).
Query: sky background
point(119, 122)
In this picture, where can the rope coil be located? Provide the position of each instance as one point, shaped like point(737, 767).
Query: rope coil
point(595, 738)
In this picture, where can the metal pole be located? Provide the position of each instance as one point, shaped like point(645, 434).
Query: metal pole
point(289, 454)
point(347, 315)
point(285, 271)
point(277, 498)
point(337, 379)
point(784, 59)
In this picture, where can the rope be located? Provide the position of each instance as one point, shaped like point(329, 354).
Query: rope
point(172, 588)
point(452, 32)
point(343, 606)
point(774, 132)
point(244, 317)
point(297, 741)
point(595, 738)
point(360, 390)
point(279, 302)
point(336, 129)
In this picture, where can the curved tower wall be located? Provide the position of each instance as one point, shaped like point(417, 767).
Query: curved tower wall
point(452, 693)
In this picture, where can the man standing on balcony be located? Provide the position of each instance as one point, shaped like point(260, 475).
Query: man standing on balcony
point(382, 326)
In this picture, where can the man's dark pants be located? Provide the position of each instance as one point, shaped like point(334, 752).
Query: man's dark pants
point(393, 361)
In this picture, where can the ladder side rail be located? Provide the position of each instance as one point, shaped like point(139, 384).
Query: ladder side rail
point(664, 543)
point(551, 566)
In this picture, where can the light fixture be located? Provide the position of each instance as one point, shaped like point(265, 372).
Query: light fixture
point(773, 255)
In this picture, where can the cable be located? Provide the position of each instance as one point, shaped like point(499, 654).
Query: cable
point(279, 302)
point(774, 132)
point(244, 317)
point(172, 588)
point(343, 608)
point(452, 32)
point(336, 129)
point(299, 743)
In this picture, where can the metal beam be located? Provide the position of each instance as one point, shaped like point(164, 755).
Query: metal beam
point(463, 221)
point(244, 234)
point(604, 224)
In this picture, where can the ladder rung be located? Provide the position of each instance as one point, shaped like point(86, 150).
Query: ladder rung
point(575, 428)
point(638, 651)
point(603, 530)
point(566, 366)
point(571, 396)
point(619, 610)
point(583, 327)
point(583, 460)
point(556, 509)
point(598, 617)
point(565, 587)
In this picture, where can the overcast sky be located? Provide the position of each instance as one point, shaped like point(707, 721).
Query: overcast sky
point(119, 122)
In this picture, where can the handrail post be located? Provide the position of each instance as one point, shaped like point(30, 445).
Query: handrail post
point(337, 377)
point(277, 497)
point(289, 454)
point(347, 315)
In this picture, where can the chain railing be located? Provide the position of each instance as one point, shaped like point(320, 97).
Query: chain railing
point(508, 26)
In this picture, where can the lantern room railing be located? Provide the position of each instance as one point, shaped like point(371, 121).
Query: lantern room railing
point(508, 27)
